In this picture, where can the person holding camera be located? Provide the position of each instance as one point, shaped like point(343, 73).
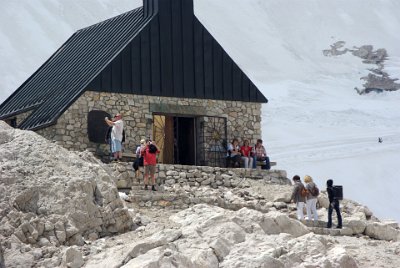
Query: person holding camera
point(149, 153)
point(116, 135)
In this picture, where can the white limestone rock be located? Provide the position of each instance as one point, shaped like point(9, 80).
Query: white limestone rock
point(382, 231)
point(323, 200)
point(283, 197)
point(275, 223)
point(392, 223)
point(160, 257)
point(356, 225)
point(248, 220)
point(72, 258)
point(339, 257)
point(53, 193)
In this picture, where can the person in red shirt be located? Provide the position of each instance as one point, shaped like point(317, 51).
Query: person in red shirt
point(247, 157)
point(149, 154)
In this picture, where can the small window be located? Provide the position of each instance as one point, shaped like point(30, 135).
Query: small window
point(97, 128)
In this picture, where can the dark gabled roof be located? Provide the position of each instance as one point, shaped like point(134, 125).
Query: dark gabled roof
point(62, 78)
point(160, 49)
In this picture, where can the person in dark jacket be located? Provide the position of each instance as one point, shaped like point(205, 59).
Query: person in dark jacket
point(333, 205)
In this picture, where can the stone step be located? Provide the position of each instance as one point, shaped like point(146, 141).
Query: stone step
point(345, 231)
point(168, 199)
point(311, 223)
point(319, 227)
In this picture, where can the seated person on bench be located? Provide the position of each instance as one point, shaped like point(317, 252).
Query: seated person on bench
point(261, 155)
point(233, 156)
point(247, 154)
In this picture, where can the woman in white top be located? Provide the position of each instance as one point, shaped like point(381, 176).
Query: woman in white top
point(311, 203)
point(233, 154)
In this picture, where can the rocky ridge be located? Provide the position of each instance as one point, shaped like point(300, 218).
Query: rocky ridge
point(52, 197)
point(378, 80)
point(62, 209)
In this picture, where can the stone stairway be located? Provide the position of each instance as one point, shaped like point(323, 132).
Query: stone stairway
point(320, 228)
point(182, 200)
point(172, 200)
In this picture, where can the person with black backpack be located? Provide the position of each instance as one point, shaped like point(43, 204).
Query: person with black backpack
point(149, 154)
point(333, 205)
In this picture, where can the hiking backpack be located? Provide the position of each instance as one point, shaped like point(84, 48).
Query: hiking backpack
point(315, 191)
point(337, 192)
point(303, 192)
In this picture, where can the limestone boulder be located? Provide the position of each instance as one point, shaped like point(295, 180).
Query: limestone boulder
point(283, 197)
point(146, 250)
point(160, 257)
point(249, 220)
point(323, 200)
point(275, 223)
point(355, 224)
point(269, 250)
point(382, 231)
point(392, 223)
point(339, 257)
point(55, 196)
point(72, 258)
point(158, 239)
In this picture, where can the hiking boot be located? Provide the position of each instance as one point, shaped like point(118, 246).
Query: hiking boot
point(145, 187)
point(153, 188)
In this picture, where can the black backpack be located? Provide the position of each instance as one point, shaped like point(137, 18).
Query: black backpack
point(152, 149)
point(337, 192)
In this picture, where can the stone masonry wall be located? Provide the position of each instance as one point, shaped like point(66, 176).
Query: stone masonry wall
point(179, 186)
point(194, 176)
point(243, 118)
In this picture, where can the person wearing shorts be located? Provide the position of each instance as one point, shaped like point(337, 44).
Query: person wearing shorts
point(116, 135)
point(149, 162)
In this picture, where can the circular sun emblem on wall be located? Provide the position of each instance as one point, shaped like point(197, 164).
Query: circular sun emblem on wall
point(216, 135)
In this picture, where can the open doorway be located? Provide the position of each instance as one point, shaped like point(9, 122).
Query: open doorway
point(175, 136)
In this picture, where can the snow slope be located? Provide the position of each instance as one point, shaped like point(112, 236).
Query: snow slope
point(314, 123)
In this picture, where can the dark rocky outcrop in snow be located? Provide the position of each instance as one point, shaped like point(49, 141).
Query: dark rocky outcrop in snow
point(377, 80)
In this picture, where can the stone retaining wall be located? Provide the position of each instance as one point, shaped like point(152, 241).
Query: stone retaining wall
point(195, 176)
point(167, 200)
